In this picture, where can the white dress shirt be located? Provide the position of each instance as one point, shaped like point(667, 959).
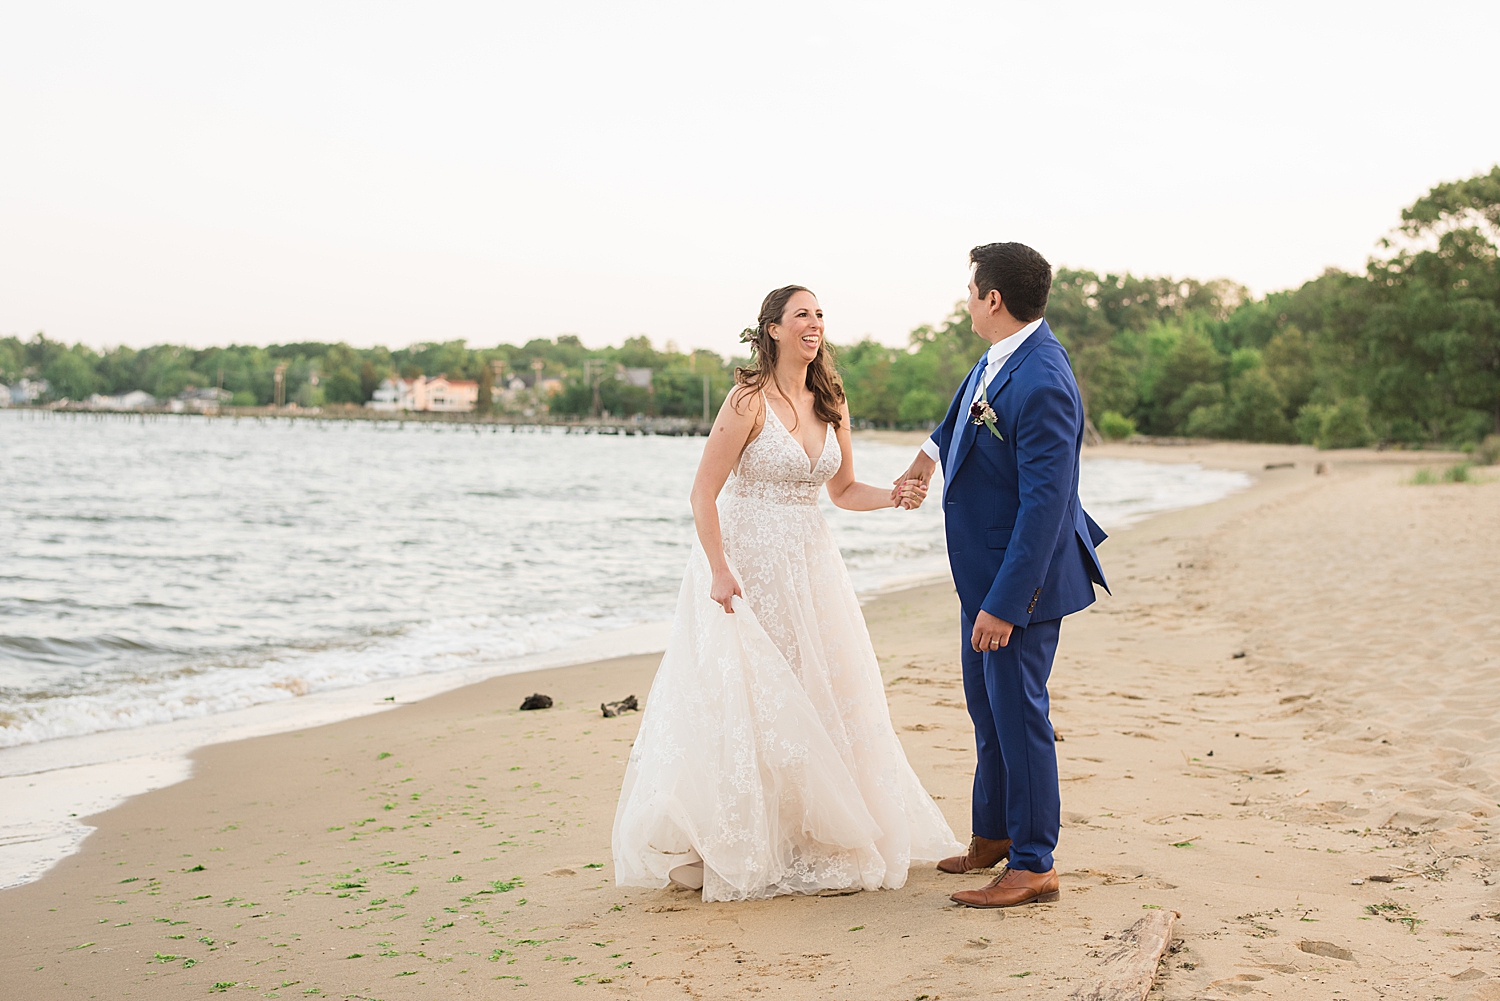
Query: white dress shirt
point(998, 354)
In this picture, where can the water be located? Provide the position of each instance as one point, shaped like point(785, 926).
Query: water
point(172, 582)
point(163, 569)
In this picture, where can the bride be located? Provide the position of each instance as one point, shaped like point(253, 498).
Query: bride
point(766, 762)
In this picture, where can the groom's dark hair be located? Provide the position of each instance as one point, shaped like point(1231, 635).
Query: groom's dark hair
point(1021, 276)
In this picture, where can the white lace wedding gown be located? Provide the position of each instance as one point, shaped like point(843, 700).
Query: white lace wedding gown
point(766, 749)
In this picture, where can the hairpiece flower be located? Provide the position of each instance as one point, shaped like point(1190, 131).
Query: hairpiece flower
point(747, 336)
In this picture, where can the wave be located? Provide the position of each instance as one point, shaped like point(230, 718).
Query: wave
point(273, 674)
point(75, 651)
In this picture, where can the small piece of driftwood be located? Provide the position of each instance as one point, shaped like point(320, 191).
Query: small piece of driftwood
point(1127, 972)
point(537, 702)
point(625, 705)
point(1281, 465)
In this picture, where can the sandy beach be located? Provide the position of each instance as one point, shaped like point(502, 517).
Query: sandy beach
point(1282, 725)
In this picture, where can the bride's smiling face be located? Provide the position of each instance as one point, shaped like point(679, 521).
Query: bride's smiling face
point(799, 335)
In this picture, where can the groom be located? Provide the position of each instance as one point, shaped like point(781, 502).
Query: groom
point(1022, 553)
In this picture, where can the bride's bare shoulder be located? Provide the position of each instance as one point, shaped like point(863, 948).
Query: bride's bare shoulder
point(746, 401)
point(745, 407)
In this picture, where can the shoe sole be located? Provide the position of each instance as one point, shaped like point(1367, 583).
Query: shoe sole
point(973, 868)
point(1042, 898)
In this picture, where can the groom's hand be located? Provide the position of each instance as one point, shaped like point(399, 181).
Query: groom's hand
point(990, 633)
point(909, 494)
point(920, 470)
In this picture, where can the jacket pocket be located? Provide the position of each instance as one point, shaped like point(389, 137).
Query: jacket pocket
point(998, 538)
point(988, 442)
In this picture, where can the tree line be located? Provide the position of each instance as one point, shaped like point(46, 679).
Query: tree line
point(1406, 352)
point(318, 374)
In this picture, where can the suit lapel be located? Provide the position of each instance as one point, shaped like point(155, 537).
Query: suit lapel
point(996, 384)
point(962, 432)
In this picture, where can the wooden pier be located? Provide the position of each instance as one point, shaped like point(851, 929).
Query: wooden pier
point(675, 427)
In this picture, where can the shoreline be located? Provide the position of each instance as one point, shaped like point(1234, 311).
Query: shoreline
point(1243, 740)
point(57, 781)
point(95, 772)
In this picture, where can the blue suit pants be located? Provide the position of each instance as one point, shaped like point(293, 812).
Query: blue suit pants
point(1015, 779)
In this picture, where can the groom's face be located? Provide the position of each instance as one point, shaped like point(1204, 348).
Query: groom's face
point(983, 310)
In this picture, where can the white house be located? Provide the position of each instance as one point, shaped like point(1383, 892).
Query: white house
point(200, 401)
point(28, 391)
point(387, 396)
point(640, 377)
point(134, 400)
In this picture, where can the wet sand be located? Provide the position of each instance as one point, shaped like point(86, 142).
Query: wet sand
point(1292, 691)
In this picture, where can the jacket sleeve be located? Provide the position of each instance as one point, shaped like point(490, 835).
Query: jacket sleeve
point(1046, 432)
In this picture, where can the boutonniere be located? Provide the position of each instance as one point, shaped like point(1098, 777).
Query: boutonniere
point(983, 413)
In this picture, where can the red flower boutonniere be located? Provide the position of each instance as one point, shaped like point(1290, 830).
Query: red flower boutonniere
point(983, 413)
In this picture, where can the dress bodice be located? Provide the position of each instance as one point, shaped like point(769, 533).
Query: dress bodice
point(774, 467)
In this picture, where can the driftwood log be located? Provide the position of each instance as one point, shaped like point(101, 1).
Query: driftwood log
point(1127, 973)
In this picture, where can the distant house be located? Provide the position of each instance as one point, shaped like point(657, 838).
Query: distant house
point(133, 400)
point(387, 396)
point(199, 401)
point(454, 395)
point(423, 394)
point(28, 391)
point(634, 376)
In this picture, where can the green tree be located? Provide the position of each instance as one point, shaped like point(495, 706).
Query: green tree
point(1182, 369)
point(921, 407)
point(1289, 363)
point(12, 359)
point(369, 379)
point(486, 400)
point(1256, 410)
point(1116, 427)
point(1199, 411)
point(71, 374)
point(340, 381)
point(1454, 305)
point(1346, 425)
point(869, 373)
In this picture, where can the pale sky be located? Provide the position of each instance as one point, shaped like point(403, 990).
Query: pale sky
point(391, 173)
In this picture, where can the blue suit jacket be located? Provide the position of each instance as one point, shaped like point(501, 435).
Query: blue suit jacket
point(1019, 542)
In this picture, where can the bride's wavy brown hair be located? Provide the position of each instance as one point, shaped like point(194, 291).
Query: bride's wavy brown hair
point(822, 377)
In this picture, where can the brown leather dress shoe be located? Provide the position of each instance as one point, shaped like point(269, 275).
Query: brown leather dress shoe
point(983, 853)
point(1013, 887)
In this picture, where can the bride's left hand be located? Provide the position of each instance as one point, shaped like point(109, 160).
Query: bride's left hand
point(910, 494)
point(725, 589)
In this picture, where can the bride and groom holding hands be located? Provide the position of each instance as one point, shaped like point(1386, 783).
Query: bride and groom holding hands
point(766, 762)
